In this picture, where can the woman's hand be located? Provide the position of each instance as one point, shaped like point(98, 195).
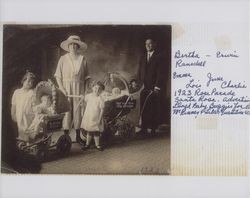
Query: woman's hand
point(64, 91)
point(82, 97)
point(100, 121)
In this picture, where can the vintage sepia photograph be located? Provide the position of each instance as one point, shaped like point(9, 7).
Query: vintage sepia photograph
point(86, 99)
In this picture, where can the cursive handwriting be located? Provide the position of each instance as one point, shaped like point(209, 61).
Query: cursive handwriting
point(192, 84)
point(187, 99)
point(219, 54)
point(213, 79)
point(224, 84)
point(230, 84)
point(192, 54)
point(210, 94)
point(198, 63)
point(197, 99)
point(149, 170)
point(185, 75)
point(235, 99)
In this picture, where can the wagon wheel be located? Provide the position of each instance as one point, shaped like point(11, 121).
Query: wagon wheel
point(64, 144)
point(21, 145)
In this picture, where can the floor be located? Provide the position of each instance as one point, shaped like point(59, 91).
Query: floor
point(146, 155)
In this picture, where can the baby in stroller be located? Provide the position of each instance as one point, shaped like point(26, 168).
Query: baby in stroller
point(41, 115)
point(41, 111)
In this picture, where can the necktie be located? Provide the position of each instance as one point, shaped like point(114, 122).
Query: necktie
point(148, 57)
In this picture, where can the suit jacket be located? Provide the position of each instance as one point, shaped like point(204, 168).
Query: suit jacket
point(152, 73)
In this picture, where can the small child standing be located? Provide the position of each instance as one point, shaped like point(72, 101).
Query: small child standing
point(92, 120)
point(21, 106)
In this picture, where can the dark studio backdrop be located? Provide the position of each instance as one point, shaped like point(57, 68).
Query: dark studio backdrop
point(110, 48)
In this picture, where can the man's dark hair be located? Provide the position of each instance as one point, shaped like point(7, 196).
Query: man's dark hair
point(153, 40)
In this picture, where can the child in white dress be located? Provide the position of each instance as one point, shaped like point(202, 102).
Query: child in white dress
point(92, 120)
point(21, 106)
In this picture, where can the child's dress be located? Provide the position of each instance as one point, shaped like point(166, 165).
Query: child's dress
point(92, 120)
point(22, 100)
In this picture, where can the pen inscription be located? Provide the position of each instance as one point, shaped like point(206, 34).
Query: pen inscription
point(210, 93)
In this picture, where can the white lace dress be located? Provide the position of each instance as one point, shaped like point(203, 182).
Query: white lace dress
point(92, 118)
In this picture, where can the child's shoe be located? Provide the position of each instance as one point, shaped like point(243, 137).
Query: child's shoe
point(99, 148)
point(86, 147)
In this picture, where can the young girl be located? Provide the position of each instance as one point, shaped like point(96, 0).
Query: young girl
point(92, 120)
point(21, 106)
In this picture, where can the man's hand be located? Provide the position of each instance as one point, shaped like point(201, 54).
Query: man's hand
point(157, 90)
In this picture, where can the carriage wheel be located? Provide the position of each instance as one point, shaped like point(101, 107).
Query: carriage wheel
point(41, 155)
point(64, 144)
point(128, 133)
point(42, 148)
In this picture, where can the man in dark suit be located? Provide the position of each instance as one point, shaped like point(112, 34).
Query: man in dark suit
point(151, 73)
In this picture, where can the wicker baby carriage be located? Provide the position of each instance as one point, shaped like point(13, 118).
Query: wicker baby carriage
point(118, 125)
point(52, 123)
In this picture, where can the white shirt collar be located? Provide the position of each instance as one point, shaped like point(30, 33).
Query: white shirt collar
point(151, 53)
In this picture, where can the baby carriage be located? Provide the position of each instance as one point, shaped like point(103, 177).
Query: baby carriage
point(50, 124)
point(120, 100)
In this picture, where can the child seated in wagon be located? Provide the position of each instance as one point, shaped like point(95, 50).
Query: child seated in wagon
point(41, 110)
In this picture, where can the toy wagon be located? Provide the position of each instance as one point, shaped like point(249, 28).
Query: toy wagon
point(50, 124)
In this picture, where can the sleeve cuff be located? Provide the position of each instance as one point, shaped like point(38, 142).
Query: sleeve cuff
point(157, 88)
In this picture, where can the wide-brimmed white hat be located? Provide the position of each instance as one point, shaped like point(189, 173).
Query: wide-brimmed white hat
point(74, 39)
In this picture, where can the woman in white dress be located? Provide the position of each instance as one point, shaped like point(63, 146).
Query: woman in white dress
point(72, 76)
